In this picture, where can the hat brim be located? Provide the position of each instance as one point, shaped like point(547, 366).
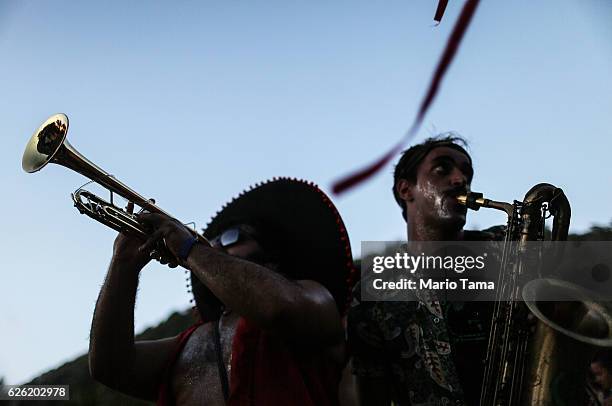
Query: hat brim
point(314, 239)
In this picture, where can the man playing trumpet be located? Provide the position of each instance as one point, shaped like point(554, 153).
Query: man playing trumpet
point(270, 291)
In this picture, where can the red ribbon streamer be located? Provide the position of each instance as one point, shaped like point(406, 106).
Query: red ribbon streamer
point(452, 45)
point(440, 10)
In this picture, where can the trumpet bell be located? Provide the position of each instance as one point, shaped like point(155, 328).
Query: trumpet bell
point(48, 144)
point(44, 143)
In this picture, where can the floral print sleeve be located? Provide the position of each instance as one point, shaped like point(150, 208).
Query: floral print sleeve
point(405, 343)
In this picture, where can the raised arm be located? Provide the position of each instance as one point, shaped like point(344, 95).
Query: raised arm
point(300, 310)
point(114, 358)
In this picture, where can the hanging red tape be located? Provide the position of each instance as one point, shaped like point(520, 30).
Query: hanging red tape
point(353, 179)
point(440, 10)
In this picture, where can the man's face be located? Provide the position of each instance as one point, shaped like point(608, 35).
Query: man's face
point(242, 243)
point(442, 175)
point(246, 249)
point(601, 376)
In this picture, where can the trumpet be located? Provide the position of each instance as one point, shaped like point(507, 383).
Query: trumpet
point(48, 144)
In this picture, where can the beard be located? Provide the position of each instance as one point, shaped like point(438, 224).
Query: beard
point(446, 213)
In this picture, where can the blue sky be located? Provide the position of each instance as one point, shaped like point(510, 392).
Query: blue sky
point(191, 102)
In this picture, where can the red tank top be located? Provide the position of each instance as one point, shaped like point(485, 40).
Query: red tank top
point(266, 370)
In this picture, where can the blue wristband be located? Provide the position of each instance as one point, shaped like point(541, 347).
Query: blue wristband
point(186, 248)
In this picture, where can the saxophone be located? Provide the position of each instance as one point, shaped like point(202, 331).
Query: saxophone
point(538, 350)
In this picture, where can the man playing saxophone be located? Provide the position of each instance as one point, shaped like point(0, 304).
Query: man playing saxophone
point(413, 353)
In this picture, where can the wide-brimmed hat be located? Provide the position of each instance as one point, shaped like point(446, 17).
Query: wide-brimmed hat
point(305, 228)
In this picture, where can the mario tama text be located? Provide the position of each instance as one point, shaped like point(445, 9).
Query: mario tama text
point(478, 271)
point(432, 284)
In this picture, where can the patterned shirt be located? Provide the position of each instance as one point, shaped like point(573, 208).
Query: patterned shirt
point(421, 347)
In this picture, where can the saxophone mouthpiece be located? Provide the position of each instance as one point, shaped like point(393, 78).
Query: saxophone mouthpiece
point(462, 199)
point(472, 200)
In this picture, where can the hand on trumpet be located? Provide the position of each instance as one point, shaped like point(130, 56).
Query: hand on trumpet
point(130, 249)
point(125, 248)
point(167, 233)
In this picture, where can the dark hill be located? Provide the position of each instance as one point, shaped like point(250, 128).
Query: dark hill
point(87, 392)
